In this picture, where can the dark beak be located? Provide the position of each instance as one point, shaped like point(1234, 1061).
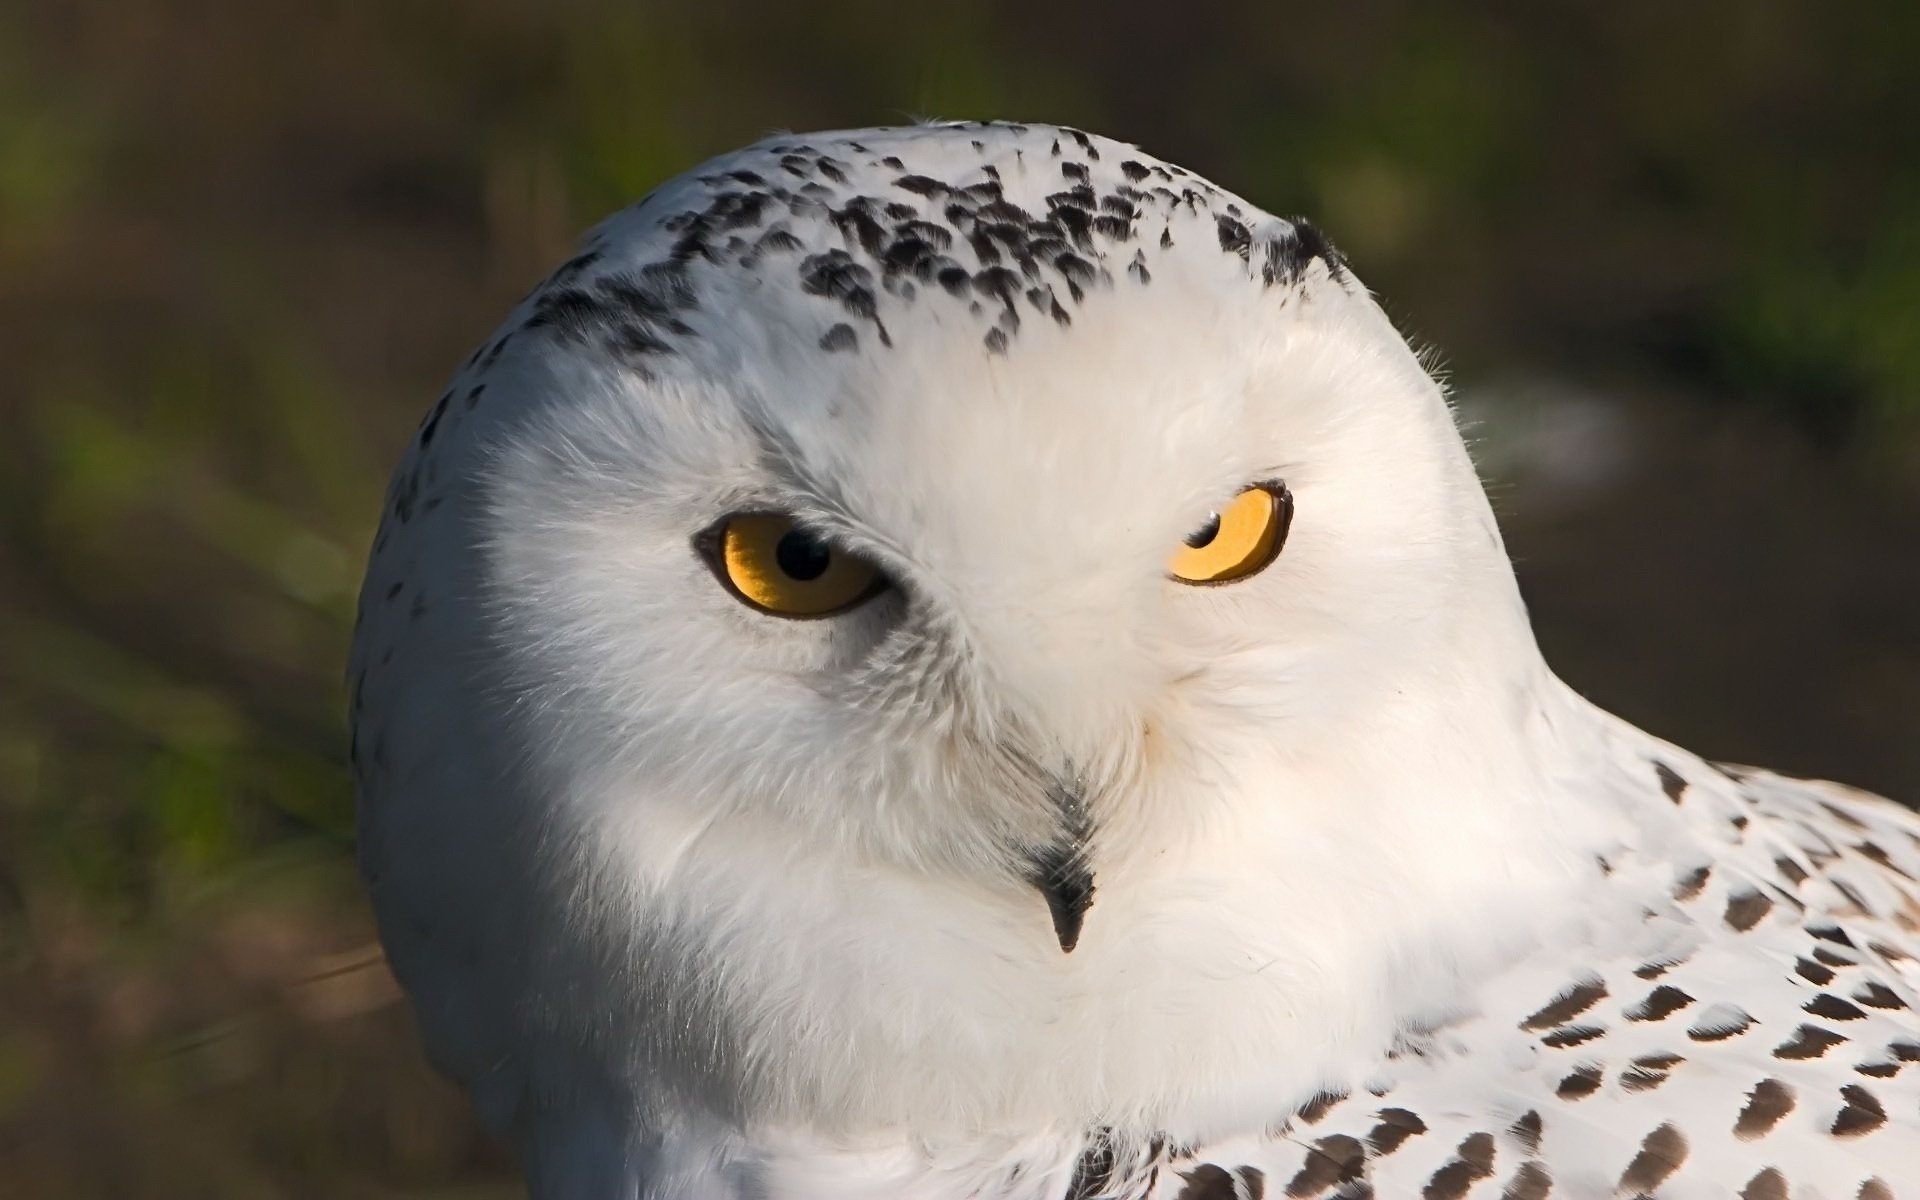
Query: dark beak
point(1060, 869)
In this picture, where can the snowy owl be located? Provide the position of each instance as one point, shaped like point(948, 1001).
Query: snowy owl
point(966, 662)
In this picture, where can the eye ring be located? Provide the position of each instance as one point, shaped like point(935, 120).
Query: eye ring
point(773, 564)
point(1237, 542)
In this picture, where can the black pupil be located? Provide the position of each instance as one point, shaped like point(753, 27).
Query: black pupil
point(802, 556)
point(1206, 533)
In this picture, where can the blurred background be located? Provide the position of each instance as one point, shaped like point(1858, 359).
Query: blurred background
point(1669, 255)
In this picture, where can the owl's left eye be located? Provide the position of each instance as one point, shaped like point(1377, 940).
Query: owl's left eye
point(775, 564)
point(1239, 540)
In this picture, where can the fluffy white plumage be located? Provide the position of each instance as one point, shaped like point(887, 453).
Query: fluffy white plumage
point(703, 902)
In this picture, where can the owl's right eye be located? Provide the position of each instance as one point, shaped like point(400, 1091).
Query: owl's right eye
point(771, 562)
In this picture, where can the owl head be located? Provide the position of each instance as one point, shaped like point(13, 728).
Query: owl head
point(877, 599)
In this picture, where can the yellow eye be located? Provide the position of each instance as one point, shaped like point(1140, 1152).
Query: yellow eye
point(783, 568)
point(1239, 540)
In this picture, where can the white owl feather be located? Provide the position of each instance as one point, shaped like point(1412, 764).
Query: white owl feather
point(1030, 871)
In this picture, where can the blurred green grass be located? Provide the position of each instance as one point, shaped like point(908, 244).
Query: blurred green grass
point(240, 246)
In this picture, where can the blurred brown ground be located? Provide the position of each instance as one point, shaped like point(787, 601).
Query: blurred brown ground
point(1671, 252)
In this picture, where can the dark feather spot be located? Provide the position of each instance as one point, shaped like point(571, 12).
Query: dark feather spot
point(1745, 910)
point(1692, 883)
point(1878, 995)
point(1322, 1103)
point(1662, 1152)
point(1233, 235)
point(1717, 1025)
point(1809, 1041)
point(1331, 1161)
point(1566, 1006)
point(1572, 1035)
point(1648, 1072)
point(1526, 1131)
point(840, 337)
point(1767, 1105)
point(1395, 1126)
point(1861, 1115)
point(1769, 1184)
point(1578, 1085)
point(1530, 1182)
point(1207, 1182)
point(1813, 972)
point(1832, 1007)
point(1659, 1004)
point(1670, 781)
point(1093, 1174)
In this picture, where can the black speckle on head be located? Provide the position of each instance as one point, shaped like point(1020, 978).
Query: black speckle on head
point(984, 192)
point(840, 337)
point(998, 282)
point(1233, 235)
point(996, 340)
point(1081, 197)
point(956, 279)
point(1670, 782)
point(939, 236)
point(1134, 171)
point(1075, 171)
point(921, 185)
